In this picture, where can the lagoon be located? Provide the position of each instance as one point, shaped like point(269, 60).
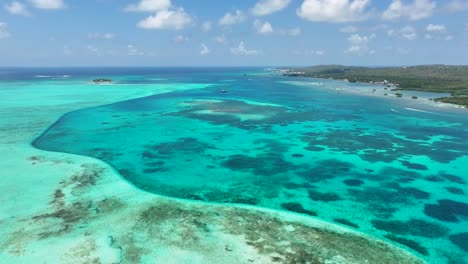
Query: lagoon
point(390, 168)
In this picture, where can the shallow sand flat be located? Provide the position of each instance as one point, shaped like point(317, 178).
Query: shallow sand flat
point(363, 89)
point(60, 208)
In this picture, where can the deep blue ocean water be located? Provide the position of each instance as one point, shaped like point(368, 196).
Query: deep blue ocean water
point(392, 168)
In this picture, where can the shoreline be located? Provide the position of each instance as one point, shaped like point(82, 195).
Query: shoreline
point(422, 99)
point(448, 79)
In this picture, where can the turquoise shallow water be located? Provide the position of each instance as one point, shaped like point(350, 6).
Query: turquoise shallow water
point(371, 163)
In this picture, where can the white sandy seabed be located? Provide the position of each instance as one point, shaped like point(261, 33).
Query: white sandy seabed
point(62, 208)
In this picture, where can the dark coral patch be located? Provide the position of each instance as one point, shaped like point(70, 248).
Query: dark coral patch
point(298, 208)
point(446, 210)
point(265, 165)
point(452, 178)
point(416, 193)
point(451, 150)
point(413, 227)
point(396, 173)
point(338, 165)
point(408, 191)
point(155, 164)
point(353, 182)
point(346, 222)
point(244, 200)
point(149, 155)
point(293, 185)
point(381, 201)
point(413, 166)
point(434, 179)
point(271, 146)
point(405, 180)
point(374, 195)
point(315, 148)
point(103, 154)
point(181, 145)
point(297, 155)
point(125, 172)
point(455, 190)
point(326, 169)
point(154, 170)
point(352, 140)
point(230, 197)
point(461, 240)
point(323, 196)
point(409, 243)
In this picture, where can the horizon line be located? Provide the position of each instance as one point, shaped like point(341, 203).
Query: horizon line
point(226, 66)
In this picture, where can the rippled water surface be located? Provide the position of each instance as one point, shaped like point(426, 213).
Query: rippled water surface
point(393, 168)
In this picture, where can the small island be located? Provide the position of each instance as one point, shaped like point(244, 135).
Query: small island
point(449, 79)
point(102, 81)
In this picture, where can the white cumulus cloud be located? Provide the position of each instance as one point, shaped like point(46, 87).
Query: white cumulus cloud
point(407, 32)
point(101, 36)
point(48, 4)
point(180, 39)
point(293, 32)
point(149, 6)
point(204, 50)
point(308, 52)
point(437, 32)
point(17, 8)
point(221, 39)
point(92, 49)
point(334, 10)
point(231, 19)
point(357, 39)
point(416, 10)
point(132, 50)
point(266, 7)
point(206, 26)
point(4, 31)
point(457, 6)
point(166, 19)
point(359, 44)
point(263, 27)
point(436, 28)
point(349, 29)
point(319, 52)
point(242, 50)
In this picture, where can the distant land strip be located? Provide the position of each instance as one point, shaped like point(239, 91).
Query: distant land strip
point(449, 79)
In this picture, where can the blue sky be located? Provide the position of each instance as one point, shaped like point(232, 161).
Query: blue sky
point(232, 33)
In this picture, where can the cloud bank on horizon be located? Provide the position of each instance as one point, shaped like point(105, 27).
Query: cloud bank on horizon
point(262, 32)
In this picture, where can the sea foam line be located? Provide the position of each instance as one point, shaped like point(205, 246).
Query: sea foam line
point(417, 110)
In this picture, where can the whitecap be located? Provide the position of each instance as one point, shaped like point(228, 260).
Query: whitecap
point(418, 110)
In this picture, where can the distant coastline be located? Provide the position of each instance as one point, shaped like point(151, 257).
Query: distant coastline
point(446, 79)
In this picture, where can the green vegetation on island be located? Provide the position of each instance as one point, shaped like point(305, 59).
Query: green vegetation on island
point(425, 78)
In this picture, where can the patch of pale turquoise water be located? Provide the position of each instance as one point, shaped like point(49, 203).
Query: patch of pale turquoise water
point(344, 158)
